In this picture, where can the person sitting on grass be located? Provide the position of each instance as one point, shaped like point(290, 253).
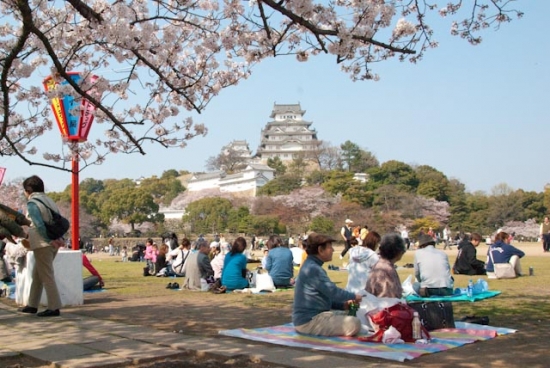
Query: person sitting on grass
point(315, 295)
point(234, 266)
point(279, 262)
point(432, 269)
point(198, 266)
point(384, 280)
point(361, 262)
point(466, 261)
point(502, 252)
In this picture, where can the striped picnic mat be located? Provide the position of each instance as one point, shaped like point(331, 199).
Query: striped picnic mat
point(445, 339)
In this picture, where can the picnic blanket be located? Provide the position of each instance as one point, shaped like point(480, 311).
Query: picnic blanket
point(445, 339)
point(454, 298)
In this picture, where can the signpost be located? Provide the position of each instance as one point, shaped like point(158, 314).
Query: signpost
point(74, 117)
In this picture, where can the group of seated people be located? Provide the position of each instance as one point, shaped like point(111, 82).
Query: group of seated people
point(218, 262)
point(316, 296)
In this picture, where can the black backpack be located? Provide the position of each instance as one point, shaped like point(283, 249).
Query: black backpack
point(58, 226)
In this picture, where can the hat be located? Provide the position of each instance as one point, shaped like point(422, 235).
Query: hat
point(424, 240)
point(348, 221)
point(317, 239)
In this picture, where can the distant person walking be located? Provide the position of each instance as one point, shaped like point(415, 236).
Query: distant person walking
point(111, 246)
point(347, 234)
point(545, 234)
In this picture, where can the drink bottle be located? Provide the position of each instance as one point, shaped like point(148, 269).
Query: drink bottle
point(416, 327)
point(470, 291)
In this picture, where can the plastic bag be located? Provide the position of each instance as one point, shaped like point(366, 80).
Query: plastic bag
point(408, 288)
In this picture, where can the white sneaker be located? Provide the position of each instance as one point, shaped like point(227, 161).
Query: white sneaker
point(341, 257)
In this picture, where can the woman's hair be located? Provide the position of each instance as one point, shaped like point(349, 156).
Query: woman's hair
point(274, 241)
point(502, 236)
point(353, 242)
point(163, 249)
point(371, 240)
point(391, 245)
point(185, 243)
point(239, 245)
point(33, 184)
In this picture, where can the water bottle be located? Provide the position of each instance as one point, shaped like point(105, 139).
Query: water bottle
point(470, 291)
point(416, 327)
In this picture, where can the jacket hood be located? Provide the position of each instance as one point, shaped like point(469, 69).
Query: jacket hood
point(360, 254)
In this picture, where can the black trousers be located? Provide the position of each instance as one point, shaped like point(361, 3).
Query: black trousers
point(546, 242)
point(347, 247)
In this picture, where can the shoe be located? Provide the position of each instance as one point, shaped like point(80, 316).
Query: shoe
point(175, 285)
point(27, 309)
point(169, 286)
point(6, 279)
point(49, 313)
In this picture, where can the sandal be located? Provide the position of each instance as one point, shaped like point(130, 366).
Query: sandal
point(175, 285)
point(220, 290)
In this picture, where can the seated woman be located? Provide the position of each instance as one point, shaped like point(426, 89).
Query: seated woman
point(178, 257)
point(432, 269)
point(315, 295)
point(279, 262)
point(384, 280)
point(361, 261)
point(466, 261)
point(161, 262)
point(234, 266)
point(502, 252)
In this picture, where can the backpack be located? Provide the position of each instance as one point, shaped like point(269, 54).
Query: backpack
point(58, 226)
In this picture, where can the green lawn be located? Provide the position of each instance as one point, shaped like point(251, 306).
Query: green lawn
point(521, 297)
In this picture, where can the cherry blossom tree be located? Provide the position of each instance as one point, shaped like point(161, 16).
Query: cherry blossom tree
point(173, 56)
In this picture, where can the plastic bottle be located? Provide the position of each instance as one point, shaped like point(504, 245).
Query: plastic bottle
point(470, 291)
point(416, 327)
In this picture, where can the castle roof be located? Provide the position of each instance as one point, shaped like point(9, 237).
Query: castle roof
point(287, 108)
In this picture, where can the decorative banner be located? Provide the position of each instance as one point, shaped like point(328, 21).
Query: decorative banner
point(2, 172)
point(74, 119)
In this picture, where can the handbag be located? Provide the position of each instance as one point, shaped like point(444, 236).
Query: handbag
point(435, 315)
point(400, 316)
point(502, 270)
point(58, 226)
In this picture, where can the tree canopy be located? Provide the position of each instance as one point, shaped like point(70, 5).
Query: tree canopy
point(181, 54)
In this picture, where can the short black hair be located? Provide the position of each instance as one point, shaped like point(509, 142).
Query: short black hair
point(33, 184)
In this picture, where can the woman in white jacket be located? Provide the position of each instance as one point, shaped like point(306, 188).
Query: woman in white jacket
point(362, 259)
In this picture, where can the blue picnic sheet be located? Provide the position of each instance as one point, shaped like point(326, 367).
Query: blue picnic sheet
point(454, 298)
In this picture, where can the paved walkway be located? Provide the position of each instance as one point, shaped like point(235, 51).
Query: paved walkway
point(74, 341)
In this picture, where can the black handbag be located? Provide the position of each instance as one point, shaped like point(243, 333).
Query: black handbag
point(435, 315)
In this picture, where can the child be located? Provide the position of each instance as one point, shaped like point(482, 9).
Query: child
point(124, 254)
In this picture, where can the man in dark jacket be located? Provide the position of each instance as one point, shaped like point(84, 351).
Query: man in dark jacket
point(466, 261)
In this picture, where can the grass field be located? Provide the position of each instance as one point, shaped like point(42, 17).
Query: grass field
point(522, 296)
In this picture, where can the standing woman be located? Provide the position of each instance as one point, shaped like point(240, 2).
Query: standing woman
point(234, 266)
point(44, 248)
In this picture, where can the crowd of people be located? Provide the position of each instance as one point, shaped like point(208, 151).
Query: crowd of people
point(223, 266)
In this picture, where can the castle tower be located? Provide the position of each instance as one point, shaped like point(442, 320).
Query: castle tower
point(287, 134)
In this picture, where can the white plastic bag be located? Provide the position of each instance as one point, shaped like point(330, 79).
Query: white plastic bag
point(370, 303)
point(408, 288)
point(264, 282)
point(392, 336)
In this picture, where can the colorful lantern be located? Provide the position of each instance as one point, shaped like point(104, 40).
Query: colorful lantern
point(74, 119)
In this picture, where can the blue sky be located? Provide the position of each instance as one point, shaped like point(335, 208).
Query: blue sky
point(476, 113)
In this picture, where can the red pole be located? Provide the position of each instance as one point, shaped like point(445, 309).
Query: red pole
point(75, 205)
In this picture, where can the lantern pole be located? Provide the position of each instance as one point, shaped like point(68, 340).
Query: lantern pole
point(75, 204)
